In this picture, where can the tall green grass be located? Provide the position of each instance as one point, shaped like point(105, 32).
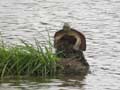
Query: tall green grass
point(27, 59)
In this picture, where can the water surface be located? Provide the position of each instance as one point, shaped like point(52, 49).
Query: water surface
point(99, 20)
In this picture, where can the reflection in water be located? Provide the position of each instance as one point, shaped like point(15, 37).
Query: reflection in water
point(99, 20)
point(37, 83)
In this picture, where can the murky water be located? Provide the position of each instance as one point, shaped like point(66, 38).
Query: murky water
point(99, 20)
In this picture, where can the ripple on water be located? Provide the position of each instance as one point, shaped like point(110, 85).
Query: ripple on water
point(99, 20)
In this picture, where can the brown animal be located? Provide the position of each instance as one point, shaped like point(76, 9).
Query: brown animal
point(70, 44)
point(70, 36)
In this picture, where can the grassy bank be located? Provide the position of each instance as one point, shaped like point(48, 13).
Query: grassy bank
point(27, 59)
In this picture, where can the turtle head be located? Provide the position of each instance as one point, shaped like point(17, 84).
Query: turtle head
point(66, 27)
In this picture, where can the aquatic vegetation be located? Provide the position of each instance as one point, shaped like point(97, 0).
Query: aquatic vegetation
point(27, 59)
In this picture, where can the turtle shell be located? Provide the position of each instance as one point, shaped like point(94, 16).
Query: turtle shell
point(60, 36)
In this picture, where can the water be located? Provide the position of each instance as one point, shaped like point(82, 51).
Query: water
point(99, 20)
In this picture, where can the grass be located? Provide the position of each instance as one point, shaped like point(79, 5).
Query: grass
point(27, 59)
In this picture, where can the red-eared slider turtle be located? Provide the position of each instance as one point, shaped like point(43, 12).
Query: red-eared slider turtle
point(71, 36)
point(70, 44)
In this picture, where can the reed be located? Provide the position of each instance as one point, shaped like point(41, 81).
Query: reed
point(27, 59)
